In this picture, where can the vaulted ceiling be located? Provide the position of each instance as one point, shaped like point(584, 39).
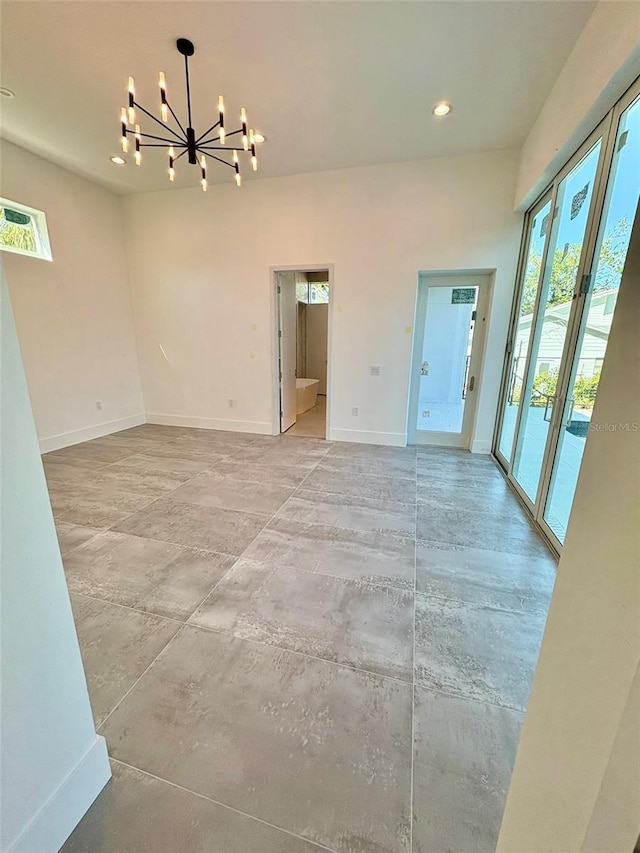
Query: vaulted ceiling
point(331, 84)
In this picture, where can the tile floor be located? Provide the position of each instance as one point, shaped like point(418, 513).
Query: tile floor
point(313, 422)
point(293, 645)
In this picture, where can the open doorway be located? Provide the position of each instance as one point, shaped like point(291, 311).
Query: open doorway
point(302, 301)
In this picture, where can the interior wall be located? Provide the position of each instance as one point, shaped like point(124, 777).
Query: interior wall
point(73, 315)
point(602, 65)
point(577, 751)
point(53, 763)
point(203, 304)
point(317, 334)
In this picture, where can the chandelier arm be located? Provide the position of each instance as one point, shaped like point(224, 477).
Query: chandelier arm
point(160, 138)
point(207, 132)
point(161, 145)
point(157, 120)
point(220, 160)
point(220, 148)
point(176, 119)
point(184, 151)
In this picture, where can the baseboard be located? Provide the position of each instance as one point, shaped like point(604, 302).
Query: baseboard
point(480, 446)
point(75, 436)
point(392, 439)
point(258, 427)
point(50, 827)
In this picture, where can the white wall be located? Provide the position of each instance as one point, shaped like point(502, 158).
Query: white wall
point(199, 268)
point(73, 315)
point(317, 338)
point(603, 63)
point(53, 763)
point(576, 778)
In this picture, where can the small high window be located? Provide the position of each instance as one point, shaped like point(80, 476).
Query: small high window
point(23, 230)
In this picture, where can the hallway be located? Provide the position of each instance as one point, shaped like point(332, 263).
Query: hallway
point(293, 645)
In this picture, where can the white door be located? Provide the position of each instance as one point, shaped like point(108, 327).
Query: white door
point(449, 334)
point(287, 338)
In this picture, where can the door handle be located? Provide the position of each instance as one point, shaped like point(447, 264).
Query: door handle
point(548, 405)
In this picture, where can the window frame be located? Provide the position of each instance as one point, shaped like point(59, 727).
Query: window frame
point(39, 219)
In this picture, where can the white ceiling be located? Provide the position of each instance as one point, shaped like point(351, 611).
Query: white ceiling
point(331, 84)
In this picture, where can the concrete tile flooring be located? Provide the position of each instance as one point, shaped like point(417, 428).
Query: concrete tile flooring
point(294, 645)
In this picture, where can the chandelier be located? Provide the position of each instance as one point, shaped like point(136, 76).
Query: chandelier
point(183, 140)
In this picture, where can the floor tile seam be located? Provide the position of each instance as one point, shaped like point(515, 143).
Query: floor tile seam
point(373, 584)
point(204, 551)
point(130, 607)
point(422, 541)
point(421, 685)
point(347, 495)
point(266, 515)
point(223, 805)
point(80, 544)
point(142, 674)
point(413, 673)
point(120, 521)
point(269, 520)
point(472, 699)
point(266, 644)
point(403, 537)
point(542, 612)
point(211, 591)
point(345, 470)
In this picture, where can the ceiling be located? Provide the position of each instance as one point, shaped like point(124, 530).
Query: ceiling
point(331, 84)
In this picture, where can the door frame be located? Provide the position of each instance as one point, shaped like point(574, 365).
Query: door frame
point(275, 342)
point(483, 279)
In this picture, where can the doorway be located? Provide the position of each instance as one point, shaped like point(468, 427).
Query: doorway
point(302, 346)
point(447, 355)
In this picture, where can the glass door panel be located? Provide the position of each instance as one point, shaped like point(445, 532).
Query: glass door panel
point(568, 230)
point(621, 201)
point(538, 231)
point(446, 354)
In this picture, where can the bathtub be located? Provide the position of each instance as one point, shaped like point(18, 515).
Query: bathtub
point(306, 392)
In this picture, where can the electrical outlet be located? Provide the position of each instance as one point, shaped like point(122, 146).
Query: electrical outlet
point(98, 405)
point(375, 370)
point(354, 411)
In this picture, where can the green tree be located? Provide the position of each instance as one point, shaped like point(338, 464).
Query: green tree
point(566, 260)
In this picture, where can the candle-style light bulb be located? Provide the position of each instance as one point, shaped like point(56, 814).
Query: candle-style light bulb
point(254, 159)
point(245, 138)
point(172, 171)
point(164, 109)
point(221, 118)
point(138, 152)
point(203, 168)
point(132, 97)
point(123, 126)
point(237, 168)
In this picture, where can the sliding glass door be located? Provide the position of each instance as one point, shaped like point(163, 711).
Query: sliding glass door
point(601, 293)
point(576, 242)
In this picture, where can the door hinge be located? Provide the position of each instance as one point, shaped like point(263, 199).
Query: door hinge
point(279, 333)
point(585, 284)
point(509, 349)
point(473, 316)
point(279, 289)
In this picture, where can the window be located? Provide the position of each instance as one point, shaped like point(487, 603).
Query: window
point(312, 291)
point(23, 230)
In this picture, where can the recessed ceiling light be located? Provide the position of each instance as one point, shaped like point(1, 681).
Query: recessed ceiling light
point(6, 93)
point(442, 108)
point(259, 137)
point(117, 159)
